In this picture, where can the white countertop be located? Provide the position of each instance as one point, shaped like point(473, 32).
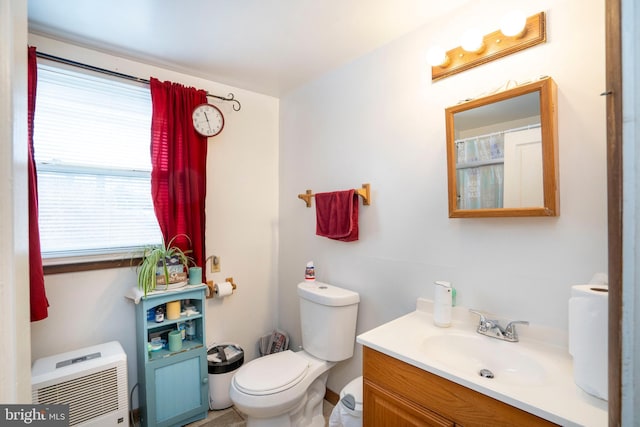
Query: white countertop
point(557, 398)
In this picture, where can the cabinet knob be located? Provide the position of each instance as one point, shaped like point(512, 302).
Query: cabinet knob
point(205, 380)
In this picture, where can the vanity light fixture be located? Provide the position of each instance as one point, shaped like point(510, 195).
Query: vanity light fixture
point(517, 33)
point(472, 41)
point(513, 24)
point(436, 55)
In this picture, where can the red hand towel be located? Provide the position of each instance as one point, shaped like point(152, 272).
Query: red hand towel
point(337, 215)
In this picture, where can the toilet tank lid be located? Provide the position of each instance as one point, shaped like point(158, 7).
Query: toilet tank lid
point(325, 294)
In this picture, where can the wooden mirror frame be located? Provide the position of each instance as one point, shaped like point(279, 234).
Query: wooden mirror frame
point(546, 87)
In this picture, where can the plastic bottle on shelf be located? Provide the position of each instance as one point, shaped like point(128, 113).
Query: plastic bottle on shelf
point(183, 329)
point(191, 329)
point(159, 315)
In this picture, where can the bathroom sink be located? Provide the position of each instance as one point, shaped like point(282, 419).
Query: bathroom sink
point(493, 359)
point(529, 374)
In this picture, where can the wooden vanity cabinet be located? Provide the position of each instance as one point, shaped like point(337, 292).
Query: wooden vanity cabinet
point(399, 394)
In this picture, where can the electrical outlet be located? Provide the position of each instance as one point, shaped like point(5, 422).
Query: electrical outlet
point(215, 264)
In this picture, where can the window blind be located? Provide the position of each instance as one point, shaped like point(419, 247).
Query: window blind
point(91, 146)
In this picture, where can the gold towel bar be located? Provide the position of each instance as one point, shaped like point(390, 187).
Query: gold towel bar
point(364, 192)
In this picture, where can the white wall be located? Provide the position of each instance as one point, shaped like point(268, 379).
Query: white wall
point(15, 384)
point(89, 308)
point(380, 119)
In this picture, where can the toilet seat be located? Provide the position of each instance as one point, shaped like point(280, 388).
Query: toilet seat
point(271, 374)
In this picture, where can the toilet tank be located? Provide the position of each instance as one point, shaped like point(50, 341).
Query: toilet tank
point(328, 320)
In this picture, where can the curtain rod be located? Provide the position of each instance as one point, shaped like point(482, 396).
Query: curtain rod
point(236, 106)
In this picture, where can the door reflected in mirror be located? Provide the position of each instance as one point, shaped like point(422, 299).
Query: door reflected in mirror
point(502, 153)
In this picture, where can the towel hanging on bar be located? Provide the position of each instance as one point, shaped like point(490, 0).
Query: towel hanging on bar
point(337, 215)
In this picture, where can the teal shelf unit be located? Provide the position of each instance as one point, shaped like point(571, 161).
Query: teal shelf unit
point(172, 385)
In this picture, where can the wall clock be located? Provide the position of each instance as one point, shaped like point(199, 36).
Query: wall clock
point(207, 120)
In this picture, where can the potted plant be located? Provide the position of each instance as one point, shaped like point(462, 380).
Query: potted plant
point(159, 263)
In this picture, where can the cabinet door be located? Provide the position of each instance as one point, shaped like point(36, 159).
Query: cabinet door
point(385, 409)
point(180, 388)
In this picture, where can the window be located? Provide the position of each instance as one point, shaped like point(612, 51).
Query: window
point(91, 146)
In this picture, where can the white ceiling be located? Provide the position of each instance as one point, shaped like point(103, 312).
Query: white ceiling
point(267, 46)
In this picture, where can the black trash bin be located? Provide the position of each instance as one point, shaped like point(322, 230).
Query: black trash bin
point(223, 360)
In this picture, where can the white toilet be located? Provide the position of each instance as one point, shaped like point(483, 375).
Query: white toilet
point(287, 388)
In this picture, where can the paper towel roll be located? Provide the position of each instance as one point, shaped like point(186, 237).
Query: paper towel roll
point(588, 338)
point(223, 289)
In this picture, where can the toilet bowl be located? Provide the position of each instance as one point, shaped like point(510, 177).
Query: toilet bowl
point(287, 388)
point(282, 389)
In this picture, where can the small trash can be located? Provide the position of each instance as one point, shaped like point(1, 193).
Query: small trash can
point(223, 361)
point(348, 411)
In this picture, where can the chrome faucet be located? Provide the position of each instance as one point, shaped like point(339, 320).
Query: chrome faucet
point(493, 329)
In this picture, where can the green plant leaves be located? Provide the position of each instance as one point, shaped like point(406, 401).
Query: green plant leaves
point(154, 256)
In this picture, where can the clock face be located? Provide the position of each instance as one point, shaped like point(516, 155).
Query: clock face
point(207, 120)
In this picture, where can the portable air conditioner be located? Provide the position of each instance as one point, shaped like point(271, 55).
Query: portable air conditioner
point(92, 381)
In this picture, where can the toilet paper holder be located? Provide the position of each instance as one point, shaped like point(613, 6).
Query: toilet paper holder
point(212, 286)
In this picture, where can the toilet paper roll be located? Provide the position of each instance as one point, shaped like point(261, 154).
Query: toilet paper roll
point(588, 337)
point(173, 310)
point(223, 289)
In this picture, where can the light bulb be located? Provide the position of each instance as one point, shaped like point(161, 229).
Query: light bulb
point(471, 40)
point(436, 56)
point(513, 24)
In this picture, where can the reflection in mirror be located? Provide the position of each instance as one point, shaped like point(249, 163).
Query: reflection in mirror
point(502, 153)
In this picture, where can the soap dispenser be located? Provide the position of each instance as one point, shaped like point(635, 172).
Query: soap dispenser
point(442, 303)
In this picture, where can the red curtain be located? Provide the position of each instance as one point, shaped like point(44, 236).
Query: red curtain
point(39, 303)
point(178, 166)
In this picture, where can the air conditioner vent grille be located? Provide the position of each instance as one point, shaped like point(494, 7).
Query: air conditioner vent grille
point(88, 397)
